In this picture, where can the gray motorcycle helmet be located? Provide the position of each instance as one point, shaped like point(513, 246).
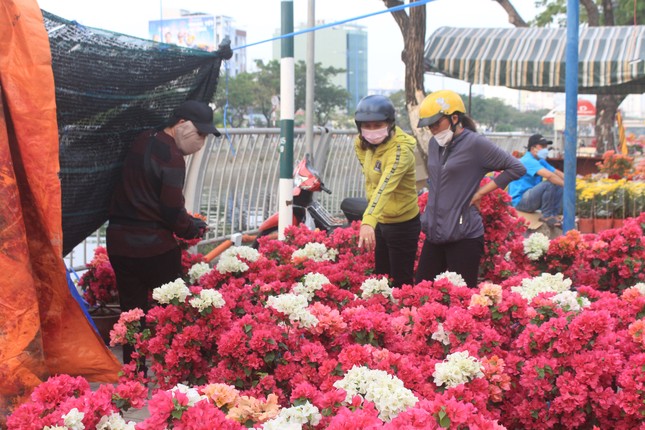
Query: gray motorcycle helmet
point(374, 108)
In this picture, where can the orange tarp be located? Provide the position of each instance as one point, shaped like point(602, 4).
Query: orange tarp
point(43, 331)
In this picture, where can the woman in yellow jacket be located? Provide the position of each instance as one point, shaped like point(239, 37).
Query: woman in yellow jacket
point(390, 224)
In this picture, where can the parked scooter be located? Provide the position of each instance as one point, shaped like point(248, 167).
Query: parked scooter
point(306, 210)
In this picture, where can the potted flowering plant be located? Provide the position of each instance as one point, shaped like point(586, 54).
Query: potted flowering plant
point(98, 283)
point(585, 194)
point(635, 201)
point(98, 289)
point(615, 166)
point(606, 203)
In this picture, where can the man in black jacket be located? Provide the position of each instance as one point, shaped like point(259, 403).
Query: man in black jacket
point(148, 207)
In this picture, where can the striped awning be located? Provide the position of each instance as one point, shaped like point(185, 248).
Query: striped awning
point(611, 59)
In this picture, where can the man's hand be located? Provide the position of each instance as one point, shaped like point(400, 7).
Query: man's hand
point(366, 237)
point(201, 226)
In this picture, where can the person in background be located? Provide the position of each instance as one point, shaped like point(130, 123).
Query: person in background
point(458, 160)
point(147, 207)
point(542, 186)
point(390, 224)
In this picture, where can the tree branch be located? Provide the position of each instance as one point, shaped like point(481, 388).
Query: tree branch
point(513, 15)
point(400, 16)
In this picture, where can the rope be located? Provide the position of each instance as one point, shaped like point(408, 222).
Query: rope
point(356, 18)
point(307, 30)
point(228, 137)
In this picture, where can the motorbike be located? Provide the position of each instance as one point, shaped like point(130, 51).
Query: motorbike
point(306, 209)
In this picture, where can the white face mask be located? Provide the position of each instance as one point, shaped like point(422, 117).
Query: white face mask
point(188, 139)
point(444, 137)
point(375, 136)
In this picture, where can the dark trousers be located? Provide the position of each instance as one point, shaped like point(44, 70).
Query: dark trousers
point(462, 257)
point(396, 250)
point(137, 277)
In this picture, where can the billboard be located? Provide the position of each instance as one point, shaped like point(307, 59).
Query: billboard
point(191, 31)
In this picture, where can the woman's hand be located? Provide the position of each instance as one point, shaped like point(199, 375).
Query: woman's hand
point(366, 237)
point(481, 192)
point(476, 200)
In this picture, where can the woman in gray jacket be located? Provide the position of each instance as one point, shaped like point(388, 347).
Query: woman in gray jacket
point(458, 159)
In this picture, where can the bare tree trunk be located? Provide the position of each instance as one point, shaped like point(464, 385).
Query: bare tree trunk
point(413, 29)
point(606, 108)
point(608, 12)
point(593, 16)
point(606, 105)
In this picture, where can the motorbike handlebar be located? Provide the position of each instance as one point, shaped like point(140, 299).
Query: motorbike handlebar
point(323, 188)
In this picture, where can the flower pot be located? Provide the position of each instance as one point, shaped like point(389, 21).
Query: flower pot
point(618, 222)
point(602, 224)
point(104, 318)
point(585, 225)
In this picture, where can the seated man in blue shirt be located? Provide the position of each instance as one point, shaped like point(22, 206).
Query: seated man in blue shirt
point(542, 185)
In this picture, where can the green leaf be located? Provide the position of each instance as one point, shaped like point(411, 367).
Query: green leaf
point(300, 401)
point(269, 357)
point(444, 420)
point(540, 372)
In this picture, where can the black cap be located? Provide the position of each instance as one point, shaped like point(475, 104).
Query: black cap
point(538, 139)
point(199, 113)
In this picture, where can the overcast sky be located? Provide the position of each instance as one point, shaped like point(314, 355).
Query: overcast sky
point(260, 18)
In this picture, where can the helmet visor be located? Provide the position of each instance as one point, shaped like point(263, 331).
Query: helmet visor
point(428, 121)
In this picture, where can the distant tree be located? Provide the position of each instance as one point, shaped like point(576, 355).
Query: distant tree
point(402, 117)
point(236, 98)
point(530, 122)
point(328, 97)
point(493, 115)
point(267, 79)
point(490, 111)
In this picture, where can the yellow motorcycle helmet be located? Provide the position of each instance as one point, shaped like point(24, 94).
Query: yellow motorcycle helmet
point(438, 104)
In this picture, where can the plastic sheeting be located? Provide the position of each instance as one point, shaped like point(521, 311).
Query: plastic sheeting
point(42, 329)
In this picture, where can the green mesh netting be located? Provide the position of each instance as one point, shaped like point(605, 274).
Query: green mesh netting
point(109, 88)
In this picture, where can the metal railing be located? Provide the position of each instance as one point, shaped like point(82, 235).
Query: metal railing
point(234, 181)
point(238, 182)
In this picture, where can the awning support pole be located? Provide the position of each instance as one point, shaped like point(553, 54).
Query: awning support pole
point(571, 126)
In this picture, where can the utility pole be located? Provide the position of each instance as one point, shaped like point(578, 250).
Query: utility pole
point(311, 76)
point(287, 83)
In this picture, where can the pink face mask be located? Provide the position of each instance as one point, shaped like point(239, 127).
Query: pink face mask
point(188, 139)
point(375, 136)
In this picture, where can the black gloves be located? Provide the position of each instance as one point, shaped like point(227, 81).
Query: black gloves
point(200, 227)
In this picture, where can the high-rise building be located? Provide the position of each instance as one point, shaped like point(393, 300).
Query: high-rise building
point(200, 31)
point(343, 47)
